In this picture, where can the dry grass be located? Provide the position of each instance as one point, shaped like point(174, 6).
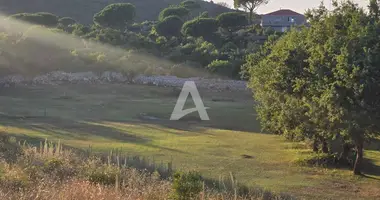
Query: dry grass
point(50, 172)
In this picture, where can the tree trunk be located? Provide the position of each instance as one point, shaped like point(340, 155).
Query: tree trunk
point(325, 148)
point(315, 146)
point(250, 16)
point(359, 158)
point(346, 150)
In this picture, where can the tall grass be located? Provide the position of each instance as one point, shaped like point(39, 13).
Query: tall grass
point(51, 171)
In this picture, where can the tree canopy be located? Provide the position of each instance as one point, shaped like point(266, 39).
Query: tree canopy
point(41, 18)
point(115, 15)
point(321, 82)
point(176, 11)
point(66, 21)
point(250, 5)
point(231, 20)
point(169, 26)
point(190, 4)
point(200, 27)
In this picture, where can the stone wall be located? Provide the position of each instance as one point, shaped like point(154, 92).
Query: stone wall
point(60, 77)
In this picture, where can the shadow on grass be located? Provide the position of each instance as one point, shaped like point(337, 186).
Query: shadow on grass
point(374, 145)
point(193, 123)
point(57, 128)
point(370, 169)
point(69, 129)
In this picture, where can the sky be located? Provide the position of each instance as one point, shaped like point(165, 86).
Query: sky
point(296, 5)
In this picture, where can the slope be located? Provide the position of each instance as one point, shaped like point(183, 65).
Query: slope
point(84, 10)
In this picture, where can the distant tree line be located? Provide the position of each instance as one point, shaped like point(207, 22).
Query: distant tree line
point(202, 42)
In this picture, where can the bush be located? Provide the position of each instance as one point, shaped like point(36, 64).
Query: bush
point(232, 20)
point(110, 36)
point(115, 15)
point(41, 18)
point(187, 185)
point(105, 176)
point(173, 11)
point(222, 67)
point(170, 26)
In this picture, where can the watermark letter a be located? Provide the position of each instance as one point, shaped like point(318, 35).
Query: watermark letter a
point(178, 112)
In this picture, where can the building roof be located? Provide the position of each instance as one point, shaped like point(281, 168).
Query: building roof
point(283, 12)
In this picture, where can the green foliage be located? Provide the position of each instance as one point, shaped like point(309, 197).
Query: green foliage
point(187, 185)
point(110, 36)
point(200, 27)
point(41, 18)
point(80, 30)
point(232, 20)
point(66, 21)
point(52, 164)
point(222, 67)
point(169, 26)
point(250, 5)
point(115, 15)
point(318, 82)
point(103, 175)
point(181, 12)
point(190, 4)
point(204, 15)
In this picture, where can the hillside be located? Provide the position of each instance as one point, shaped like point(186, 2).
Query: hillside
point(84, 10)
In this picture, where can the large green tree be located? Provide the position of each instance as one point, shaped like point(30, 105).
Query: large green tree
point(200, 27)
point(321, 82)
point(169, 26)
point(232, 20)
point(250, 5)
point(115, 15)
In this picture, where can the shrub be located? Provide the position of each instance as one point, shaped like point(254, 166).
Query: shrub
point(110, 36)
point(80, 30)
point(105, 175)
point(170, 26)
point(173, 11)
point(221, 67)
point(115, 15)
point(187, 185)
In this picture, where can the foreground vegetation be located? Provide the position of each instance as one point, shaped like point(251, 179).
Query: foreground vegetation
point(124, 119)
point(52, 172)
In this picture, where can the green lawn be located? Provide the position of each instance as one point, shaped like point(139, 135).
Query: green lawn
point(110, 116)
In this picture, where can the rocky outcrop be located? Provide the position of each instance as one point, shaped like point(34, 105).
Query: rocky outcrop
point(60, 77)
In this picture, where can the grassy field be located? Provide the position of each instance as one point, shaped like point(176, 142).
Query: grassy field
point(135, 119)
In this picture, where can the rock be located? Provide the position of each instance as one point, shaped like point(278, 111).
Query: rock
point(59, 77)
